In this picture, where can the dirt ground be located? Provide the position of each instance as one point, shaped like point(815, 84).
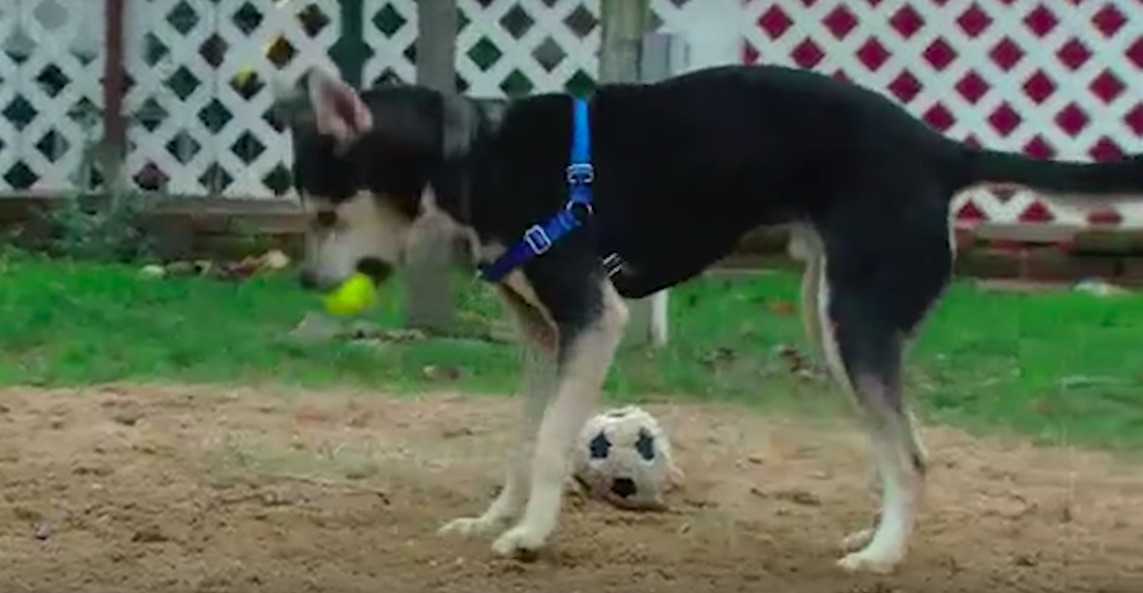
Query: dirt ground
point(125, 489)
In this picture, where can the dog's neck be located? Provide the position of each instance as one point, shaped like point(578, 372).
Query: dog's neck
point(467, 126)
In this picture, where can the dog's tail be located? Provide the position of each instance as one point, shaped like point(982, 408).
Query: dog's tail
point(993, 167)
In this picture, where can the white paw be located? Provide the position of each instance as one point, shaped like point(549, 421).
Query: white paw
point(473, 526)
point(868, 563)
point(857, 540)
point(519, 542)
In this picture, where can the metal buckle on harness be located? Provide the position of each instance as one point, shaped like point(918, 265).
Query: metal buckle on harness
point(537, 239)
point(612, 264)
point(579, 203)
point(581, 173)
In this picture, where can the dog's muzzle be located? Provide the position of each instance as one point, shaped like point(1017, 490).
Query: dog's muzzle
point(377, 270)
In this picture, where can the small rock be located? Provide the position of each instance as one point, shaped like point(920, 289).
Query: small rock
point(452, 433)
point(316, 327)
point(274, 499)
point(802, 497)
point(1028, 560)
point(699, 503)
point(1100, 288)
point(435, 373)
point(359, 420)
point(149, 535)
point(756, 459)
point(92, 470)
point(275, 260)
point(127, 417)
point(180, 268)
point(404, 335)
point(43, 531)
point(145, 448)
point(153, 271)
point(362, 471)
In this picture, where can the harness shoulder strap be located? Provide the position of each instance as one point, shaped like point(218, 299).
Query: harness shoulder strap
point(539, 238)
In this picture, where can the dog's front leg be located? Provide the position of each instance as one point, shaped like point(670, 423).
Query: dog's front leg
point(584, 357)
point(538, 338)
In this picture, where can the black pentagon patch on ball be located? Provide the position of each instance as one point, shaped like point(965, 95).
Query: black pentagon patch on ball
point(599, 446)
point(645, 445)
point(623, 487)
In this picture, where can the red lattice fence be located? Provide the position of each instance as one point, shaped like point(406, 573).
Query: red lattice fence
point(1054, 79)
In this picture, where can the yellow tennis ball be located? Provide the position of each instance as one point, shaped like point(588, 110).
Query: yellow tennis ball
point(244, 75)
point(354, 296)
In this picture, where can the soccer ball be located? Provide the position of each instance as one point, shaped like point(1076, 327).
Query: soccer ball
point(623, 456)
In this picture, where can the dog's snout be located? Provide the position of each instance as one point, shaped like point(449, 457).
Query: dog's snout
point(375, 268)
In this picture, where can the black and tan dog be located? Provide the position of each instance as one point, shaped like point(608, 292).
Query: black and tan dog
point(682, 169)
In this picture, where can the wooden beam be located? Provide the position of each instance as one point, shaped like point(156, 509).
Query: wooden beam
point(623, 22)
point(427, 277)
point(113, 147)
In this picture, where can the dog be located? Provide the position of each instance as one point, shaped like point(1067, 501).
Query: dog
point(678, 172)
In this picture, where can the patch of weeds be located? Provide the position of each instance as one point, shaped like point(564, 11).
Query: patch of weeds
point(110, 231)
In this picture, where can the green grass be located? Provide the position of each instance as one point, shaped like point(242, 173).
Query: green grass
point(1061, 367)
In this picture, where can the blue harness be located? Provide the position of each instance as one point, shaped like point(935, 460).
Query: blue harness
point(539, 238)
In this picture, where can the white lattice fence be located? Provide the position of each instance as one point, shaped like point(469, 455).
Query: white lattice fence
point(50, 69)
point(507, 47)
point(1052, 79)
point(200, 93)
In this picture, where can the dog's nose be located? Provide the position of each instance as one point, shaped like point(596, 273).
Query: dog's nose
point(308, 280)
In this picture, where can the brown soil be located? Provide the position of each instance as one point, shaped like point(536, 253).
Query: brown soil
point(194, 489)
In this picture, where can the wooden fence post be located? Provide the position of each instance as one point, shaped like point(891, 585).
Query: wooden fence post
point(663, 55)
point(630, 54)
point(113, 148)
point(431, 303)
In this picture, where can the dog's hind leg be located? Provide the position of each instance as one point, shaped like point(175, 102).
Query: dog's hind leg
point(586, 351)
point(865, 328)
point(538, 338)
point(805, 246)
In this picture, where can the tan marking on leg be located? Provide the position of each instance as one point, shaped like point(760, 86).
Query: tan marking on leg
point(538, 337)
point(902, 488)
point(581, 379)
point(829, 346)
point(811, 291)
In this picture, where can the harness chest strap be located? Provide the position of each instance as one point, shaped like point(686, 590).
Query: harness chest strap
point(539, 238)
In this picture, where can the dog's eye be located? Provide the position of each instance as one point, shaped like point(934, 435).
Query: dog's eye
point(325, 218)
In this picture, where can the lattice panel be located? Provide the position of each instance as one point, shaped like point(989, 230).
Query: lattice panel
point(200, 97)
point(506, 47)
point(391, 32)
point(50, 93)
point(1052, 79)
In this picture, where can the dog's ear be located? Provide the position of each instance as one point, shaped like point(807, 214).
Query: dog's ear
point(338, 110)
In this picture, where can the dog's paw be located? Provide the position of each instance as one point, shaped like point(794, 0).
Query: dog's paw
point(858, 540)
point(864, 562)
point(473, 527)
point(519, 542)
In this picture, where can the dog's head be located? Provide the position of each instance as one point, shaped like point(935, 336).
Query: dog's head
point(361, 166)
